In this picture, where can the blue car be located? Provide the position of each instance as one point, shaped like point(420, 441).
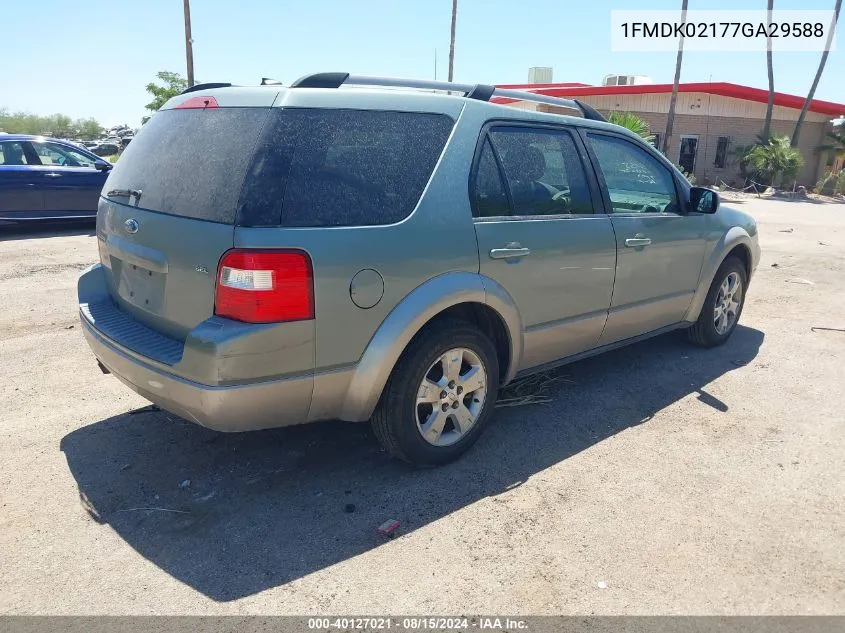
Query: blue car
point(46, 179)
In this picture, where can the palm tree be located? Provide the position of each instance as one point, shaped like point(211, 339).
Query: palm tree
point(822, 62)
point(632, 122)
point(836, 146)
point(452, 39)
point(767, 123)
point(670, 119)
point(773, 163)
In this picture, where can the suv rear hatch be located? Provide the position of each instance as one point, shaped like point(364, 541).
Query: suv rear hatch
point(169, 208)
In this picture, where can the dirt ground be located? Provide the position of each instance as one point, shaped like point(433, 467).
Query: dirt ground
point(663, 479)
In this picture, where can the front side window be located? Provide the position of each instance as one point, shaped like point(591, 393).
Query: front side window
point(61, 156)
point(636, 181)
point(543, 171)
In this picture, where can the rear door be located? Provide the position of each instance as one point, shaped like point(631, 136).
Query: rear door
point(71, 183)
point(169, 208)
point(20, 195)
point(660, 244)
point(543, 236)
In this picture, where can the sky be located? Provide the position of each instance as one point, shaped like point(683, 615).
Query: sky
point(93, 58)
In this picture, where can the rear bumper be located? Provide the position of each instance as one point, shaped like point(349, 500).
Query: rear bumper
point(240, 408)
point(257, 405)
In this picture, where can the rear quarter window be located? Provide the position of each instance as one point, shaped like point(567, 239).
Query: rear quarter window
point(320, 167)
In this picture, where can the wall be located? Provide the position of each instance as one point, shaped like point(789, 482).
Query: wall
point(697, 103)
point(738, 119)
point(742, 131)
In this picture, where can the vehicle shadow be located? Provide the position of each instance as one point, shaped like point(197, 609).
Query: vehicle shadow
point(237, 514)
point(19, 231)
point(787, 198)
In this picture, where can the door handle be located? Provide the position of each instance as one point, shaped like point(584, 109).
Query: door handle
point(53, 174)
point(639, 240)
point(509, 252)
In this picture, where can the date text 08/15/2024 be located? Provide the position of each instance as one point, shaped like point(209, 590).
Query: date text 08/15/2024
point(418, 623)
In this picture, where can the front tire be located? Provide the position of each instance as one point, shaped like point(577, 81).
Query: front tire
point(440, 395)
point(722, 306)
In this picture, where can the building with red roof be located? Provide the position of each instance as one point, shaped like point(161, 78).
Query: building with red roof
point(711, 119)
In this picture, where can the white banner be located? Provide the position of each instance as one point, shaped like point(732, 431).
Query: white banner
point(720, 30)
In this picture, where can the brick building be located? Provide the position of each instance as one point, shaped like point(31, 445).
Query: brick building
point(711, 119)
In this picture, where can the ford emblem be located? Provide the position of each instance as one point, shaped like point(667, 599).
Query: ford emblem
point(131, 225)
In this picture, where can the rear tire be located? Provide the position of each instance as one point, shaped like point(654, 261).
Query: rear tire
point(722, 306)
point(440, 396)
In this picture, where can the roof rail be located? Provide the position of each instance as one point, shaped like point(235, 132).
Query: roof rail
point(481, 92)
point(205, 87)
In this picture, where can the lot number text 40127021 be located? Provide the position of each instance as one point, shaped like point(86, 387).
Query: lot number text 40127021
point(417, 623)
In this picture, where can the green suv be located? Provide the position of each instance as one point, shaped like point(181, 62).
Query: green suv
point(366, 248)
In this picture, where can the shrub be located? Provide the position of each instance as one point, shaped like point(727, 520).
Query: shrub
point(831, 184)
point(771, 164)
point(826, 184)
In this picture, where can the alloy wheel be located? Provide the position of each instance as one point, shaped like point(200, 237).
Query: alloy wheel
point(451, 397)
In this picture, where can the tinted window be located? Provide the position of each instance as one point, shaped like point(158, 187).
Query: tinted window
point(636, 181)
point(191, 162)
point(543, 171)
point(12, 153)
point(341, 167)
point(489, 196)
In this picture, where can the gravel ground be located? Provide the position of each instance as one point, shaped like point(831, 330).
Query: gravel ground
point(662, 479)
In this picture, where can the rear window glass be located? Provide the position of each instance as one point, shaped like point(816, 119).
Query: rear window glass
point(190, 162)
point(319, 167)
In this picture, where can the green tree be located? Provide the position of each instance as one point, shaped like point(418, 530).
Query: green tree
point(632, 122)
point(771, 164)
point(58, 125)
point(88, 129)
point(61, 126)
point(173, 84)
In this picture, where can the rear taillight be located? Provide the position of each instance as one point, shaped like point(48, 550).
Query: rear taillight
point(265, 286)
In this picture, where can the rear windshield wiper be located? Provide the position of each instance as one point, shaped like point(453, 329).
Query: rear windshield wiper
point(125, 193)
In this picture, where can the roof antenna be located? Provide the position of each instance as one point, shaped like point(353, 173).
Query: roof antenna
point(266, 81)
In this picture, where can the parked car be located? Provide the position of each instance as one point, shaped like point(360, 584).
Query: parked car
point(106, 149)
point(43, 178)
point(309, 253)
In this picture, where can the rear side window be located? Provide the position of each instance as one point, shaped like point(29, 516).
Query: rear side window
point(491, 199)
point(320, 167)
point(190, 162)
point(543, 171)
point(12, 153)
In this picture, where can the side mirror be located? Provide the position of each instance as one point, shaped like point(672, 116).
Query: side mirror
point(703, 200)
point(102, 165)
